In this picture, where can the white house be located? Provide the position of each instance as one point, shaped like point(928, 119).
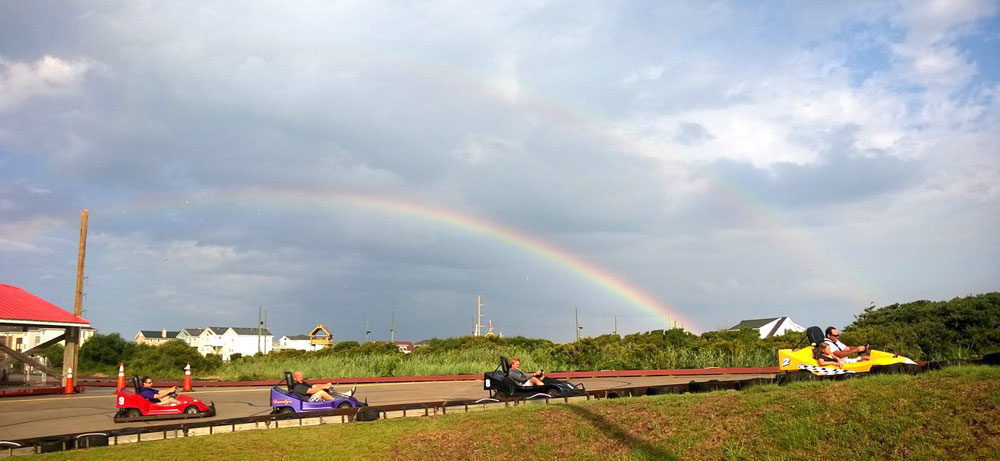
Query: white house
point(226, 341)
point(297, 342)
point(26, 340)
point(767, 328)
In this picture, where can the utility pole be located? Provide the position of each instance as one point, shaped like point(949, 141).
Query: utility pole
point(578, 327)
point(73, 333)
point(392, 331)
point(615, 331)
point(479, 316)
point(368, 331)
point(260, 324)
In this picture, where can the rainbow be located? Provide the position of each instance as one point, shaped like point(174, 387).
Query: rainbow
point(445, 217)
point(823, 263)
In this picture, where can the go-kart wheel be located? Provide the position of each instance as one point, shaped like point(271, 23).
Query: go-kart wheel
point(132, 413)
point(553, 392)
point(191, 410)
point(344, 405)
point(286, 411)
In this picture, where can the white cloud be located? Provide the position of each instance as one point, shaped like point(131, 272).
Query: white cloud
point(48, 76)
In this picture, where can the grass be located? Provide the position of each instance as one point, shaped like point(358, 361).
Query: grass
point(948, 414)
point(470, 360)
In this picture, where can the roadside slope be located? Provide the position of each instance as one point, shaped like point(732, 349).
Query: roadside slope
point(948, 414)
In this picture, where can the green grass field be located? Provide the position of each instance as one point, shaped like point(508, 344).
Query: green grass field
point(947, 414)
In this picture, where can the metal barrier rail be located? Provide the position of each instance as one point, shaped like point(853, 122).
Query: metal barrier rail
point(435, 378)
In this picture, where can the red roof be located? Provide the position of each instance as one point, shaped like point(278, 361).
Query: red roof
point(17, 304)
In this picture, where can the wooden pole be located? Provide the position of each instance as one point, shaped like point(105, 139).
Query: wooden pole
point(78, 303)
point(73, 333)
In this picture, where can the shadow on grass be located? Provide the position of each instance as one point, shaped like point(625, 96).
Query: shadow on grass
point(639, 447)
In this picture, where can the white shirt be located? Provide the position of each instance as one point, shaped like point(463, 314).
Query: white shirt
point(836, 344)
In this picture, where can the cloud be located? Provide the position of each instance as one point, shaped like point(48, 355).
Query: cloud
point(694, 150)
point(47, 77)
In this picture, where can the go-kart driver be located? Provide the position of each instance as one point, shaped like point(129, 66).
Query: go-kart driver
point(518, 376)
point(155, 395)
point(314, 392)
point(841, 350)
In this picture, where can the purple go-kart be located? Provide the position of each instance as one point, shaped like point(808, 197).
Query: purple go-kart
point(283, 400)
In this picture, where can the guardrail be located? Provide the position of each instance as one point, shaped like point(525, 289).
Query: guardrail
point(437, 378)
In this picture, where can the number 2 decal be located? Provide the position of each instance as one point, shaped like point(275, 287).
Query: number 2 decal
point(786, 362)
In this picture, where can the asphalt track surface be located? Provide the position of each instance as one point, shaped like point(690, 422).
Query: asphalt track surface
point(94, 410)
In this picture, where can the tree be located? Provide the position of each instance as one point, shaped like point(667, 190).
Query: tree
point(103, 351)
point(54, 354)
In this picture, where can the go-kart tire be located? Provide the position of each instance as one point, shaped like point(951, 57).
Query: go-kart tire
point(992, 358)
point(132, 413)
point(344, 405)
point(286, 411)
point(191, 410)
point(553, 393)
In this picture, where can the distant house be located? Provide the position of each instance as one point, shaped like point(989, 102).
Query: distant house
point(774, 326)
point(190, 336)
point(226, 341)
point(154, 337)
point(297, 342)
point(421, 343)
point(404, 346)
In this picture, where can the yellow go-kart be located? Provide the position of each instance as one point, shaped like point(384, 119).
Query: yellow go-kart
point(878, 361)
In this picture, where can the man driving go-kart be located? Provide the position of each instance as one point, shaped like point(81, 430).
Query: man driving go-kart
point(822, 357)
point(163, 397)
point(314, 392)
point(841, 350)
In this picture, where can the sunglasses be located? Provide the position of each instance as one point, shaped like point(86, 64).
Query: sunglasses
point(835, 336)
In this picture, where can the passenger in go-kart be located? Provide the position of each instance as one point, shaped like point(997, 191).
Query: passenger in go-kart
point(519, 377)
point(155, 395)
point(842, 350)
point(314, 392)
point(824, 356)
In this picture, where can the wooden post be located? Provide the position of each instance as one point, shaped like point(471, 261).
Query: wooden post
point(73, 333)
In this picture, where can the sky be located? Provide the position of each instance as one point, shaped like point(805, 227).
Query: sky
point(639, 164)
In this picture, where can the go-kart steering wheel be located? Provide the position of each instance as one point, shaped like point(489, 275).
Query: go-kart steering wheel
point(172, 394)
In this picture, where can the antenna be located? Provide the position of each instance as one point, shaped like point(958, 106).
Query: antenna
point(578, 327)
point(615, 331)
point(479, 316)
point(392, 330)
point(368, 331)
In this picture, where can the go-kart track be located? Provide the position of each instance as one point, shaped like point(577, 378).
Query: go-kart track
point(29, 419)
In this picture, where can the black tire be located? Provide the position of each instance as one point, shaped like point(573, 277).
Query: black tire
point(345, 405)
point(132, 413)
point(191, 410)
point(286, 411)
point(553, 392)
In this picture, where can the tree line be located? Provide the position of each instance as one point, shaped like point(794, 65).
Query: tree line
point(960, 328)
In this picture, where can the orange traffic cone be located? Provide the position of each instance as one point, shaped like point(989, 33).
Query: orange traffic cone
point(187, 378)
point(69, 381)
point(121, 376)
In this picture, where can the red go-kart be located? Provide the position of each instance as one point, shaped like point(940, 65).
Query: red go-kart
point(134, 407)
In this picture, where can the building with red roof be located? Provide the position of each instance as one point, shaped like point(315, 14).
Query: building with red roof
point(23, 313)
point(20, 308)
